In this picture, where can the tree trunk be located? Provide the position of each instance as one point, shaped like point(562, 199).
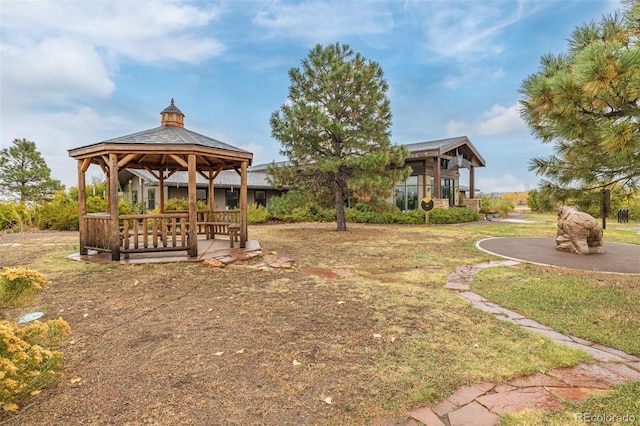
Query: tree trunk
point(341, 219)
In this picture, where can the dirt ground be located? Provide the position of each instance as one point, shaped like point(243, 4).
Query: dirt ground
point(187, 344)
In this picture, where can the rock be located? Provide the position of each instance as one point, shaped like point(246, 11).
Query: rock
point(578, 232)
point(214, 263)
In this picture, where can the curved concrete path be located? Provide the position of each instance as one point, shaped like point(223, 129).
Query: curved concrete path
point(618, 258)
point(483, 403)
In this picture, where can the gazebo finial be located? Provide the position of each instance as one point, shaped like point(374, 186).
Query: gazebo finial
point(172, 116)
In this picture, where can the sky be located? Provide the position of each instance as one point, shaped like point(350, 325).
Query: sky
point(73, 73)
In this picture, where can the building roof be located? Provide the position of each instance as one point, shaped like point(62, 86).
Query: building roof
point(172, 108)
point(225, 179)
point(168, 136)
point(442, 146)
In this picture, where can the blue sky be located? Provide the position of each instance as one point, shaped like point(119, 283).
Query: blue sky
point(78, 72)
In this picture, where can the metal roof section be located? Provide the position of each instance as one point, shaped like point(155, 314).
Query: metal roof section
point(441, 146)
point(226, 179)
point(172, 108)
point(167, 136)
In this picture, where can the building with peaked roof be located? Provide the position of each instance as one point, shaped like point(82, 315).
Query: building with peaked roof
point(436, 174)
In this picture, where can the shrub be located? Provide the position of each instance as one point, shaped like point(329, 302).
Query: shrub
point(378, 211)
point(496, 205)
point(60, 214)
point(26, 363)
point(453, 215)
point(180, 204)
point(295, 206)
point(16, 217)
point(18, 285)
point(542, 201)
point(257, 214)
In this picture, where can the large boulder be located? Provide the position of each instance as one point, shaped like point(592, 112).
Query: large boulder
point(578, 232)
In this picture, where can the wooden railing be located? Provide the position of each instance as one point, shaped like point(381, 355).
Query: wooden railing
point(231, 216)
point(97, 229)
point(154, 232)
point(151, 232)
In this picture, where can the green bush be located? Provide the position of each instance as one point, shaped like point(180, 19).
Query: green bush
point(179, 204)
point(257, 214)
point(453, 215)
point(295, 206)
point(382, 212)
point(16, 217)
point(496, 205)
point(60, 214)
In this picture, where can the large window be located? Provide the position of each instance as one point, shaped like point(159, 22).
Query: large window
point(261, 198)
point(448, 190)
point(151, 198)
point(231, 199)
point(405, 194)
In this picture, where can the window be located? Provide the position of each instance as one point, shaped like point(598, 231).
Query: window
point(447, 190)
point(134, 197)
point(405, 194)
point(151, 198)
point(261, 198)
point(231, 199)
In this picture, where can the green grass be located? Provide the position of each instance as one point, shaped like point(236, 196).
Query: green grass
point(602, 308)
point(623, 403)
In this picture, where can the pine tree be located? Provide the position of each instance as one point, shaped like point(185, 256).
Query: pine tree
point(334, 129)
point(586, 103)
point(24, 173)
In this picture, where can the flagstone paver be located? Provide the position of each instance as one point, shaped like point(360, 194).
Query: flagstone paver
point(536, 398)
point(466, 394)
point(577, 394)
point(473, 414)
point(482, 404)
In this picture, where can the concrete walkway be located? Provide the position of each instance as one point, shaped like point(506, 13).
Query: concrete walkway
point(483, 403)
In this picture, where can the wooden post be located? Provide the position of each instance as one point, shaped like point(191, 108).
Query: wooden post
point(161, 192)
point(243, 205)
point(436, 178)
point(472, 182)
point(114, 231)
point(82, 208)
point(211, 193)
point(193, 216)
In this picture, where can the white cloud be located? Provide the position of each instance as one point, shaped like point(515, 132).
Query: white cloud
point(467, 31)
point(55, 133)
point(58, 52)
point(324, 22)
point(141, 31)
point(257, 150)
point(53, 70)
point(504, 183)
point(498, 121)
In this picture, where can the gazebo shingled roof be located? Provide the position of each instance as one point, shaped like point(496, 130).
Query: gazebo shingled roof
point(162, 151)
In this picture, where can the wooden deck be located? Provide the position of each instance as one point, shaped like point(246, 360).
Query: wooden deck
point(207, 249)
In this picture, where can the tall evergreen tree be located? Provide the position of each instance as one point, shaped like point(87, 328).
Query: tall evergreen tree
point(334, 129)
point(587, 104)
point(24, 174)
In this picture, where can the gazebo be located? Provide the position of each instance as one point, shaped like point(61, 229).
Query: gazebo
point(161, 151)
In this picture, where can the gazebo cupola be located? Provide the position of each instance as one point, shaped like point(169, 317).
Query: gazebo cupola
point(172, 116)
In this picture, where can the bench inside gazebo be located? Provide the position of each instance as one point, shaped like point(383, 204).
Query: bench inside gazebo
point(162, 151)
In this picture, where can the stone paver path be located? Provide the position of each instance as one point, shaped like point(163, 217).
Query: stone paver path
point(483, 403)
